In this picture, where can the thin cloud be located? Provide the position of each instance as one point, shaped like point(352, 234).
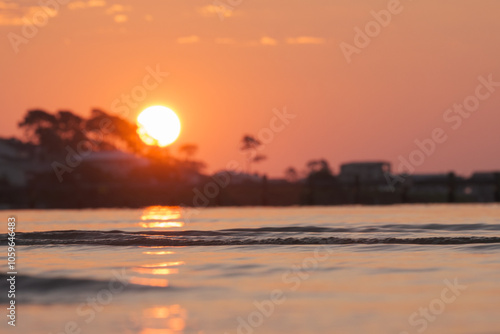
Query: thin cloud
point(188, 39)
point(7, 20)
point(118, 12)
point(268, 41)
point(8, 5)
point(96, 3)
point(306, 40)
point(120, 18)
point(222, 11)
point(116, 8)
point(13, 15)
point(86, 4)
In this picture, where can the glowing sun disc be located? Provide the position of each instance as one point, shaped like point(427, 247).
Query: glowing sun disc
point(158, 125)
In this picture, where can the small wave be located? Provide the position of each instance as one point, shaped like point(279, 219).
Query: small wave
point(259, 236)
point(27, 285)
point(370, 229)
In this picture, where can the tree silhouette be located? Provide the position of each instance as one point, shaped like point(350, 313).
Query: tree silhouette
point(319, 166)
point(53, 132)
point(250, 145)
point(101, 131)
point(117, 132)
point(190, 165)
point(312, 166)
point(188, 150)
point(291, 174)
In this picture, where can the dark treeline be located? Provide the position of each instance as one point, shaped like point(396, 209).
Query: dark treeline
point(65, 160)
point(68, 161)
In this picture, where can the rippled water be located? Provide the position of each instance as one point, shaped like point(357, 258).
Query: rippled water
point(392, 269)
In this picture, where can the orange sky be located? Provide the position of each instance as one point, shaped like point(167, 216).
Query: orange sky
point(229, 67)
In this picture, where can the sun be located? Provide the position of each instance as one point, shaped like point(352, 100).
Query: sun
point(158, 125)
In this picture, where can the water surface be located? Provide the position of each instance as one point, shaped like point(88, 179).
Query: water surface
point(391, 269)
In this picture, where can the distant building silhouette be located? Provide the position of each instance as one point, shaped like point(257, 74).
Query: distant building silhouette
point(484, 186)
point(18, 162)
point(364, 172)
point(112, 177)
point(428, 183)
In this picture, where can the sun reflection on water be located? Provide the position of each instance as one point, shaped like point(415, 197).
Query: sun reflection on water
point(153, 274)
point(162, 224)
point(161, 217)
point(157, 252)
point(164, 319)
point(165, 264)
point(157, 282)
point(156, 271)
point(159, 268)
